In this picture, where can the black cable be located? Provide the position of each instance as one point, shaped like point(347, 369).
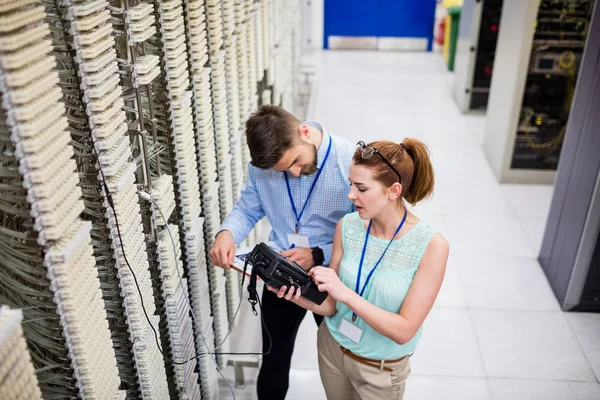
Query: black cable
point(262, 322)
point(246, 262)
point(112, 206)
point(110, 200)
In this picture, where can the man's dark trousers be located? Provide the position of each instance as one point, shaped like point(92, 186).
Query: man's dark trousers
point(282, 319)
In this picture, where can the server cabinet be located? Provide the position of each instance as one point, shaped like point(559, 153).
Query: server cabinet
point(539, 52)
point(476, 50)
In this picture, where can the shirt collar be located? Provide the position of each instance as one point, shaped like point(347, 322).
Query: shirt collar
point(324, 142)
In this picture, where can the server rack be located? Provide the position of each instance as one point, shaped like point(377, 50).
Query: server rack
point(476, 50)
point(539, 51)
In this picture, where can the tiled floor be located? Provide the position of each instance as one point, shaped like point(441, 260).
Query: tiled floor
point(496, 330)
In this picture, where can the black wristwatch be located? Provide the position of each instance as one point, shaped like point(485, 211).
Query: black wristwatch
point(317, 255)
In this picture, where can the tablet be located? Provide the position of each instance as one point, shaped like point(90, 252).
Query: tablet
point(243, 252)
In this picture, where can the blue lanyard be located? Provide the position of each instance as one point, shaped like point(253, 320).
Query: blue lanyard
point(287, 183)
point(362, 258)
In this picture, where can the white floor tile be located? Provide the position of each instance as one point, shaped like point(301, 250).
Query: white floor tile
point(485, 199)
point(529, 201)
point(448, 346)
point(509, 389)
point(470, 164)
point(586, 327)
point(247, 392)
point(449, 127)
point(446, 388)
point(305, 384)
point(470, 235)
point(505, 283)
point(534, 231)
point(450, 294)
point(305, 355)
point(529, 345)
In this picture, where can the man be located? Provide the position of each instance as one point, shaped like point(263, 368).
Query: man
point(298, 179)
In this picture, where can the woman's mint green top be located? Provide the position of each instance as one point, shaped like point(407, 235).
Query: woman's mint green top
point(387, 288)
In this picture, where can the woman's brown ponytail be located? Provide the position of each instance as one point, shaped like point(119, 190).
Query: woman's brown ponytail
point(423, 179)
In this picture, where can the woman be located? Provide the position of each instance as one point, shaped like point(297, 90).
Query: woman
point(385, 273)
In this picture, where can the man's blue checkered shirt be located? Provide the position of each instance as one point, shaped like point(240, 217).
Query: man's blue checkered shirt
point(265, 194)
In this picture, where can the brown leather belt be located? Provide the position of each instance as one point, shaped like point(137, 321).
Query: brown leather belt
point(379, 364)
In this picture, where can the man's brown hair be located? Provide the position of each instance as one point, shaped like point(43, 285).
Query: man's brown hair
point(270, 132)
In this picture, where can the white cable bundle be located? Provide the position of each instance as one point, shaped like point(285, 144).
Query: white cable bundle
point(225, 187)
point(228, 9)
point(237, 164)
point(151, 364)
point(17, 375)
point(201, 304)
point(175, 294)
point(233, 93)
point(38, 131)
point(196, 23)
point(243, 72)
point(37, 126)
point(235, 143)
point(267, 25)
point(146, 69)
point(201, 84)
point(233, 294)
point(208, 376)
point(296, 43)
point(244, 79)
point(172, 35)
point(219, 94)
point(253, 74)
point(240, 13)
point(245, 159)
point(163, 197)
point(279, 51)
point(287, 37)
point(258, 39)
point(171, 267)
point(70, 263)
point(221, 319)
point(182, 342)
point(241, 28)
point(205, 137)
point(266, 96)
point(86, 18)
point(214, 16)
point(212, 213)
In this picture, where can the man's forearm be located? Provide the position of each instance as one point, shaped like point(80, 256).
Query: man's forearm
point(238, 224)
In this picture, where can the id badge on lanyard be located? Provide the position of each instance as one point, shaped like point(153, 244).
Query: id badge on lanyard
point(350, 330)
point(287, 183)
point(362, 259)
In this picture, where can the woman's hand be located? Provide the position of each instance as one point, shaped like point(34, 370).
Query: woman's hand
point(328, 281)
point(293, 294)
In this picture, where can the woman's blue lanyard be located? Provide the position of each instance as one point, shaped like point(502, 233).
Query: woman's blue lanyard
point(362, 258)
point(287, 183)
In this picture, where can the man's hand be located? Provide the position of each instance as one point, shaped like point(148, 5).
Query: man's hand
point(300, 256)
point(223, 250)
